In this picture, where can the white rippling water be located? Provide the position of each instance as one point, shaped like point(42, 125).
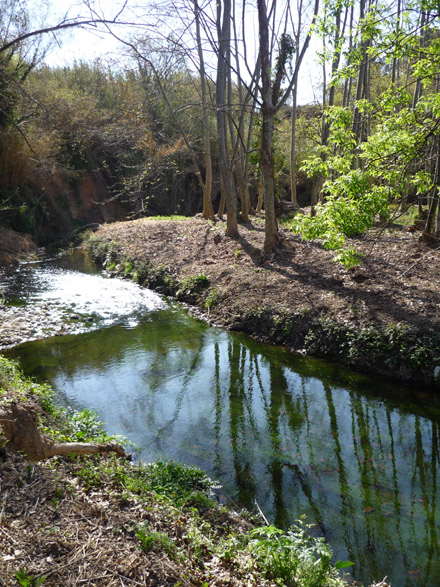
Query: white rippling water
point(107, 299)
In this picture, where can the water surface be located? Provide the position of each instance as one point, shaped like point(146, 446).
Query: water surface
point(360, 458)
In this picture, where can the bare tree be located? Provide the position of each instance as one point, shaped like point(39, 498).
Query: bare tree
point(272, 99)
point(208, 211)
point(297, 33)
point(223, 70)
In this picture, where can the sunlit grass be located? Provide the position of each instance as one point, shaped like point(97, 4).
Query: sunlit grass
point(176, 218)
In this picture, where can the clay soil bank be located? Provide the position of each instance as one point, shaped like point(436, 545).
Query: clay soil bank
point(381, 317)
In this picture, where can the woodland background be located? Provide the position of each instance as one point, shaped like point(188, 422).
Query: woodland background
point(201, 115)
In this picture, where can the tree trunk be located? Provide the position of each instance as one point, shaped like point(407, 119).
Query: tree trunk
point(260, 200)
point(18, 422)
point(227, 182)
point(293, 196)
point(207, 211)
point(432, 213)
point(271, 239)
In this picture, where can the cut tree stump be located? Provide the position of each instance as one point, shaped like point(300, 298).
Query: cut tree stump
point(18, 422)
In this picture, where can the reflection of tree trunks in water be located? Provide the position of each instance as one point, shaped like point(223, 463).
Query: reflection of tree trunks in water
point(280, 402)
point(257, 372)
point(245, 369)
point(433, 550)
point(344, 488)
point(278, 384)
point(308, 492)
point(243, 470)
point(430, 542)
point(218, 409)
point(373, 525)
point(396, 493)
point(168, 426)
point(311, 458)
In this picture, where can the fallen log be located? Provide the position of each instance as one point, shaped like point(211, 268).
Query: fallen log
point(19, 426)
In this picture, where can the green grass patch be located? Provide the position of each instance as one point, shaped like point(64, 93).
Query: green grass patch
point(151, 540)
point(195, 283)
point(176, 218)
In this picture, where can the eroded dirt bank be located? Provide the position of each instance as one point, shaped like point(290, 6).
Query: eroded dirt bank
point(14, 246)
point(381, 317)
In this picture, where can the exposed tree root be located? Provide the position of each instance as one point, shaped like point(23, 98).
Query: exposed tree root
point(19, 425)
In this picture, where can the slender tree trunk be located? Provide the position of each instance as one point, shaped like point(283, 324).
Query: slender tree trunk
point(360, 125)
point(248, 148)
point(349, 81)
point(222, 204)
point(293, 195)
point(395, 74)
point(293, 175)
point(260, 200)
point(318, 183)
point(272, 99)
point(271, 240)
point(431, 220)
point(207, 211)
point(227, 182)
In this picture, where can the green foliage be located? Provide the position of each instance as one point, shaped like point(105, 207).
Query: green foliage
point(191, 287)
point(85, 425)
point(25, 579)
point(14, 385)
point(212, 298)
point(90, 474)
point(181, 483)
point(150, 540)
point(12, 70)
point(101, 251)
point(195, 282)
point(81, 426)
point(294, 558)
point(170, 482)
point(172, 217)
point(352, 200)
point(383, 147)
point(355, 196)
point(128, 267)
point(403, 347)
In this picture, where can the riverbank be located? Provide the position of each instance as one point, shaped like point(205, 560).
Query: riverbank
point(382, 317)
point(15, 246)
point(103, 521)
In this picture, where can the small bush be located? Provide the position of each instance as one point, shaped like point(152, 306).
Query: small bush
point(295, 557)
point(212, 298)
point(195, 283)
point(150, 540)
point(25, 579)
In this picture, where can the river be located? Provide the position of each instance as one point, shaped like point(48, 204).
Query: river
point(358, 456)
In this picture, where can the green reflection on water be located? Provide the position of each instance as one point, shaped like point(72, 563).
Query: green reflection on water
point(360, 458)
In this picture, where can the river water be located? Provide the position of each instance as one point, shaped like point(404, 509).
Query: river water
point(359, 457)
